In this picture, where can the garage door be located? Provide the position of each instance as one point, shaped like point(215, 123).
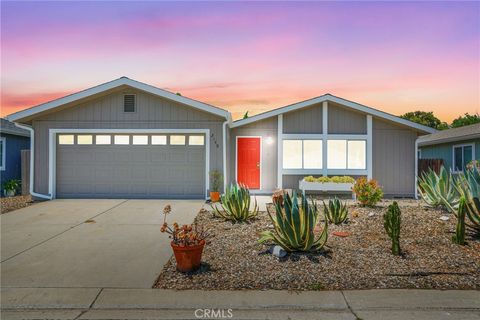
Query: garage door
point(130, 166)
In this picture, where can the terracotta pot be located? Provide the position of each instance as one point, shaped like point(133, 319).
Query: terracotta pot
point(214, 196)
point(188, 258)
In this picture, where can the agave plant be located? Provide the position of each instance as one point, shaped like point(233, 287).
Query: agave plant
point(335, 212)
point(437, 190)
point(468, 186)
point(235, 203)
point(294, 225)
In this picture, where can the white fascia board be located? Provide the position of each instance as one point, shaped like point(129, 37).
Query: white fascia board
point(447, 140)
point(329, 97)
point(114, 84)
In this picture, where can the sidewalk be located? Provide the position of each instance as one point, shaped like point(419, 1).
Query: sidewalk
point(97, 303)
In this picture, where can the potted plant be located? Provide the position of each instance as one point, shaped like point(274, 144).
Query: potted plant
point(10, 187)
point(187, 243)
point(216, 178)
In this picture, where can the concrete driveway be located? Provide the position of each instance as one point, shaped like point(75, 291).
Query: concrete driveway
point(50, 244)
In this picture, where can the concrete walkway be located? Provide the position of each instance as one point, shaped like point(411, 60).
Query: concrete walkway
point(76, 303)
point(88, 243)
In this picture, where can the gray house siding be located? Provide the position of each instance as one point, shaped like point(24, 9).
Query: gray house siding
point(13, 146)
point(308, 120)
point(342, 120)
point(394, 158)
point(444, 151)
point(106, 112)
point(265, 128)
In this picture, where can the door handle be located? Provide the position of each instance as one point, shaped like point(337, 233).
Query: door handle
point(258, 165)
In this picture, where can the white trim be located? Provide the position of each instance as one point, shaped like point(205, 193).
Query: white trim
point(4, 152)
point(236, 157)
point(52, 149)
point(224, 155)
point(124, 81)
point(280, 151)
point(307, 136)
point(329, 97)
point(416, 169)
point(32, 163)
point(324, 137)
point(369, 147)
point(471, 144)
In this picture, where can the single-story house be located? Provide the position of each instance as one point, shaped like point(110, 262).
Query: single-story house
point(12, 141)
point(127, 139)
point(456, 147)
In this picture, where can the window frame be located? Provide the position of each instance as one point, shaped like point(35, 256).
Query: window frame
point(3, 165)
point(302, 140)
point(462, 146)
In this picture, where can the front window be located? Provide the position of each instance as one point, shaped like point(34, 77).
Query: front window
point(302, 154)
point(346, 154)
point(462, 155)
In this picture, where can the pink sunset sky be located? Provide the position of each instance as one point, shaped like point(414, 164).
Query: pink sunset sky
point(256, 56)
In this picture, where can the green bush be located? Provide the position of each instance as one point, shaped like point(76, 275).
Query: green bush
point(367, 192)
point(334, 179)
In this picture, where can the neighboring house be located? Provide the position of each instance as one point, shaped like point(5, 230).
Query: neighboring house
point(456, 147)
point(12, 141)
point(127, 139)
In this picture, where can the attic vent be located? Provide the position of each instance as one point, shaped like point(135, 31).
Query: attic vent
point(129, 103)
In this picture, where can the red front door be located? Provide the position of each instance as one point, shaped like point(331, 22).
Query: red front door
point(248, 162)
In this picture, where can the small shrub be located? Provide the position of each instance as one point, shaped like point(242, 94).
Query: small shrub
point(392, 221)
point(294, 225)
point(334, 179)
point(367, 192)
point(336, 212)
point(235, 203)
point(12, 185)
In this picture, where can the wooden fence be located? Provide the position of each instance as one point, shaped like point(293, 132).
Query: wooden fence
point(426, 164)
point(25, 159)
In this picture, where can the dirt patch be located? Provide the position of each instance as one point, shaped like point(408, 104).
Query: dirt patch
point(8, 204)
point(362, 260)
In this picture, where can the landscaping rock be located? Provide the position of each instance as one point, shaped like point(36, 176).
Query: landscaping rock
point(279, 252)
point(444, 218)
point(371, 214)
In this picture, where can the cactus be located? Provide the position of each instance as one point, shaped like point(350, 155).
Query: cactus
point(335, 212)
point(294, 225)
point(236, 204)
point(392, 221)
point(459, 237)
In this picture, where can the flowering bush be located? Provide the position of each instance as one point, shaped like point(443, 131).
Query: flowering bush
point(334, 179)
point(186, 235)
point(367, 192)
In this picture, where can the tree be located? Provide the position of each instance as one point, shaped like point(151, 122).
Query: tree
point(465, 120)
point(425, 118)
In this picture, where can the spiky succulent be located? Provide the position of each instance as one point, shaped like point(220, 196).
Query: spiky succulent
point(294, 224)
point(235, 204)
point(468, 185)
point(459, 237)
point(438, 189)
point(335, 212)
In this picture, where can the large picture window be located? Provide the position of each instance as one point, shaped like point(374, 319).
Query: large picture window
point(462, 155)
point(346, 154)
point(302, 154)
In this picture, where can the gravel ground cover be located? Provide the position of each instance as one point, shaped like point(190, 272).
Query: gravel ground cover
point(8, 204)
point(234, 260)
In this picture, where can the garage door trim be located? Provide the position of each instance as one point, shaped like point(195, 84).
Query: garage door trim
point(52, 147)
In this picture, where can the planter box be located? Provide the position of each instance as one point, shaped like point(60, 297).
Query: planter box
point(325, 186)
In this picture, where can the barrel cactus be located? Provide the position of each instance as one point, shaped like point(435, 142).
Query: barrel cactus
point(294, 224)
point(392, 221)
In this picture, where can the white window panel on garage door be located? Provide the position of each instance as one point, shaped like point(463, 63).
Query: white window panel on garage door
point(131, 170)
